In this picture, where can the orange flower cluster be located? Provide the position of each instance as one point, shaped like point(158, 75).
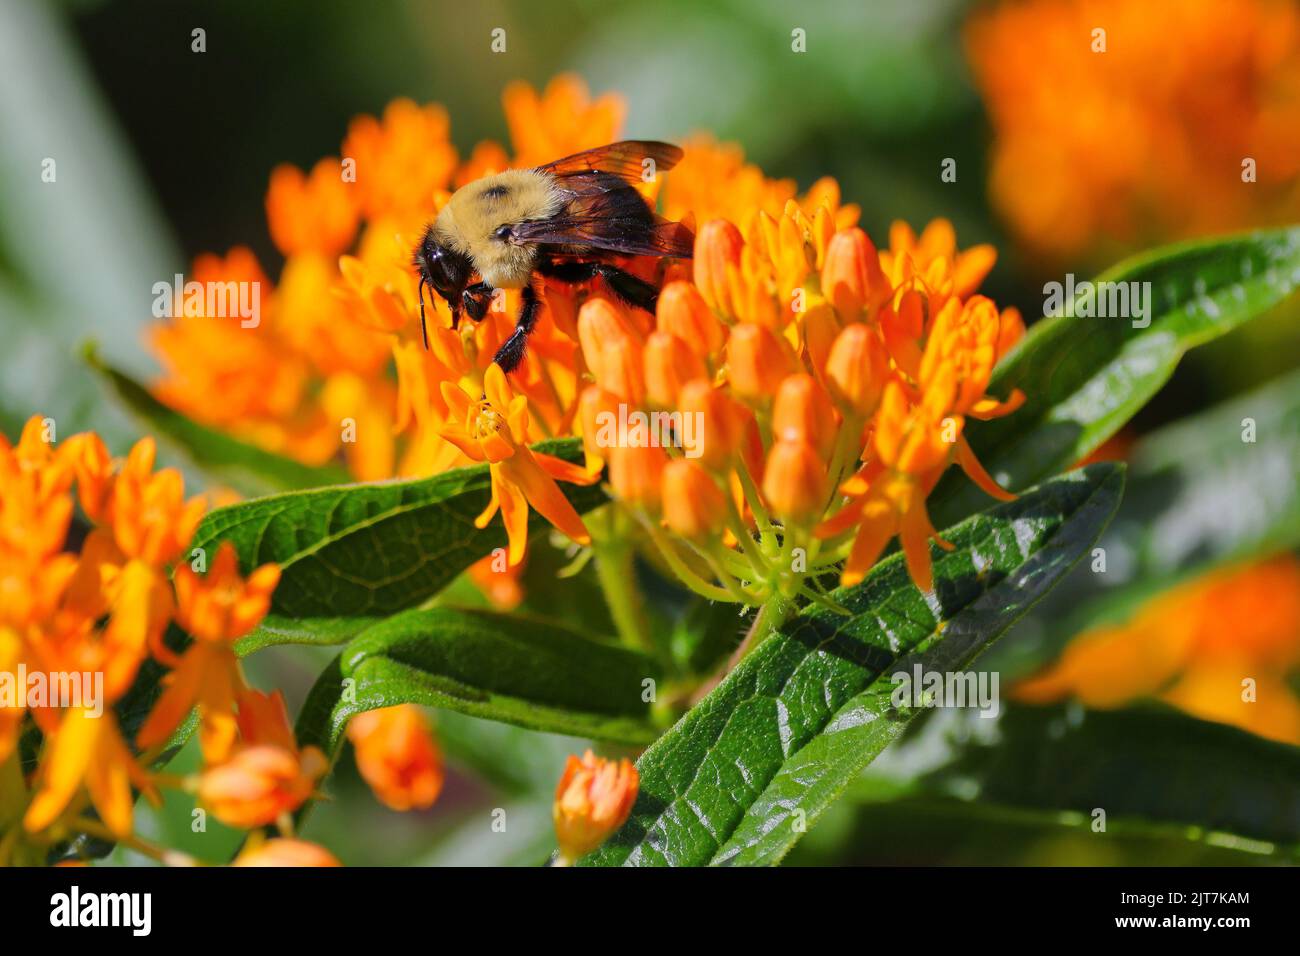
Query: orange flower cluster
point(1220, 647)
point(832, 381)
point(85, 621)
point(811, 391)
point(1143, 105)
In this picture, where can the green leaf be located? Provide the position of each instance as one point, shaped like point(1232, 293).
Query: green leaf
point(501, 667)
point(1143, 763)
point(1085, 377)
point(246, 468)
point(352, 555)
point(806, 710)
point(1197, 496)
point(925, 830)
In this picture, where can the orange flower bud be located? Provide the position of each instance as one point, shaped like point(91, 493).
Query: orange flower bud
point(259, 783)
point(591, 403)
point(852, 278)
point(285, 852)
point(718, 245)
point(610, 350)
point(693, 503)
point(94, 470)
point(669, 364)
point(723, 422)
point(593, 800)
point(857, 368)
point(794, 481)
point(820, 328)
point(803, 411)
point(1011, 329)
point(683, 312)
point(396, 754)
point(635, 474)
point(756, 361)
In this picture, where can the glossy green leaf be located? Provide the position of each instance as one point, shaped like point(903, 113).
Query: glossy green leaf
point(804, 712)
point(352, 555)
point(1197, 496)
point(1143, 763)
point(502, 667)
point(246, 468)
point(1083, 378)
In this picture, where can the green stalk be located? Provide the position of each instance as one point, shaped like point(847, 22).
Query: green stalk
point(771, 615)
point(616, 572)
point(774, 612)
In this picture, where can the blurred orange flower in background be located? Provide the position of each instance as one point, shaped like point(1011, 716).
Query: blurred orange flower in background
point(1118, 124)
point(283, 851)
point(1220, 647)
point(397, 756)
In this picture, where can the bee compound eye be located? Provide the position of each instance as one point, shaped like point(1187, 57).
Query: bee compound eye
point(503, 234)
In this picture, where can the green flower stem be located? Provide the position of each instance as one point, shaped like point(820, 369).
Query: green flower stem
point(776, 611)
point(746, 542)
point(766, 535)
point(730, 583)
point(771, 615)
point(680, 568)
point(616, 572)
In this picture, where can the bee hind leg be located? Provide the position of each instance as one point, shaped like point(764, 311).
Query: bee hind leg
point(627, 287)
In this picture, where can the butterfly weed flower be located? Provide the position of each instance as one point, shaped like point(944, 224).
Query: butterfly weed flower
point(101, 611)
point(822, 436)
point(95, 607)
point(215, 609)
point(265, 776)
point(494, 429)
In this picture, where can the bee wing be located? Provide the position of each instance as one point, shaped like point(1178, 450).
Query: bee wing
point(604, 213)
point(626, 160)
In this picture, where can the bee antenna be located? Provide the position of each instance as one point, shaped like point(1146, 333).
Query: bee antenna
point(424, 328)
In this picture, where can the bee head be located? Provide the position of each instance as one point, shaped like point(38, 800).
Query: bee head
point(445, 271)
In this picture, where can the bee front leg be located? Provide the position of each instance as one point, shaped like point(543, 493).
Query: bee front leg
point(512, 350)
point(477, 298)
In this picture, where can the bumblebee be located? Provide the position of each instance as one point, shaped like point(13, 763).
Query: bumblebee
point(570, 221)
